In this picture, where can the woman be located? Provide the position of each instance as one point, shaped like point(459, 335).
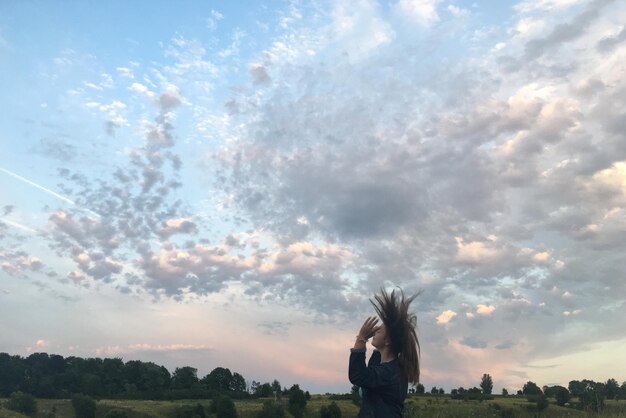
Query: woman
point(395, 360)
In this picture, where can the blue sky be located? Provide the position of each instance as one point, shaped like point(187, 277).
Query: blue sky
point(226, 184)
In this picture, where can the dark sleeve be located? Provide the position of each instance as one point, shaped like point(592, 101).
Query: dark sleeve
point(368, 377)
point(374, 359)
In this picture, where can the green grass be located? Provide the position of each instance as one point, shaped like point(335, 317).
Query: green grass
point(416, 406)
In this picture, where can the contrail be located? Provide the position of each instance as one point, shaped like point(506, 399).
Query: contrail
point(17, 176)
point(19, 226)
point(58, 196)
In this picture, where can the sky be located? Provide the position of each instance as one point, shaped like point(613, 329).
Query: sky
point(205, 183)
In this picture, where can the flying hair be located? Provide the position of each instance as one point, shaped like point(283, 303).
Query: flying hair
point(393, 310)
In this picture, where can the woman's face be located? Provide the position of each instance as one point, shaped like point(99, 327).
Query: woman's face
point(380, 337)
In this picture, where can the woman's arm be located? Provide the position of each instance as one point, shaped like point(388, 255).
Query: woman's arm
point(363, 376)
point(368, 329)
point(360, 374)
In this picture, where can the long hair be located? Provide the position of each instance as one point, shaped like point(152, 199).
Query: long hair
point(393, 310)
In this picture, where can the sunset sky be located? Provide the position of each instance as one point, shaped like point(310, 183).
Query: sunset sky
point(206, 183)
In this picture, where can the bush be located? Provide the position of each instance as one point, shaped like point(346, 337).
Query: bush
point(330, 411)
point(592, 400)
point(84, 406)
point(542, 402)
point(271, 410)
point(116, 413)
point(223, 407)
point(297, 402)
point(22, 402)
point(506, 413)
point(356, 395)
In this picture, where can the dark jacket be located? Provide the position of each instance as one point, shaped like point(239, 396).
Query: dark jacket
point(384, 389)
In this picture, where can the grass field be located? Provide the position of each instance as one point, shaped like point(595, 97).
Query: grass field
point(415, 407)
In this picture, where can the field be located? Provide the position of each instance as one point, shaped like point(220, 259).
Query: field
point(422, 407)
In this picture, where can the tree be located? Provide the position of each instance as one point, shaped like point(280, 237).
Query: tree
point(297, 401)
point(263, 390)
point(420, 389)
point(562, 396)
point(531, 388)
point(434, 390)
point(276, 388)
point(184, 377)
point(84, 406)
point(330, 411)
point(223, 407)
point(22, 402)
point(11, 373)
point(592, 399)
point(505, 392)
point(611, 389)
point(576, 387)
point(238, 384)
point(220, 379)
point(441, 391)
point(486, 384)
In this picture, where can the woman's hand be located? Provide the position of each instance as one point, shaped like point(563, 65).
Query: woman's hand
point(368, 328)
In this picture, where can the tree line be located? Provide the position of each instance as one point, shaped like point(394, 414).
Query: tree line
point(584, 394)
point(54, 376)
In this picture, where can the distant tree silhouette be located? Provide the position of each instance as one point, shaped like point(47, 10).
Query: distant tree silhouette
point(220, 379)
point(562, 395)
point(276, 388)
point(184, 377)
point(238, 384)
point(486, 384)
point(531, 388)
point(297, 401)
point(611, 389)
point(53, 376)
point(330, 411)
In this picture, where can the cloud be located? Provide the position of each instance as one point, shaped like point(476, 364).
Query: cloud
point(259, 73)
point(505, 345)
point(544, 5)
point(424, 12)
point(276, 327)
point(485, 309)
point(473, 342)
point(39, 346)
point(178, 226)
point(445, 317)
point(354, 155)
point(18, 263)
point(607, 44)
point(149, 348)
point(212, 21)
point(565, 32)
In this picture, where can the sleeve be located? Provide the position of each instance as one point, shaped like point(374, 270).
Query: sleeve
point(368, 377)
